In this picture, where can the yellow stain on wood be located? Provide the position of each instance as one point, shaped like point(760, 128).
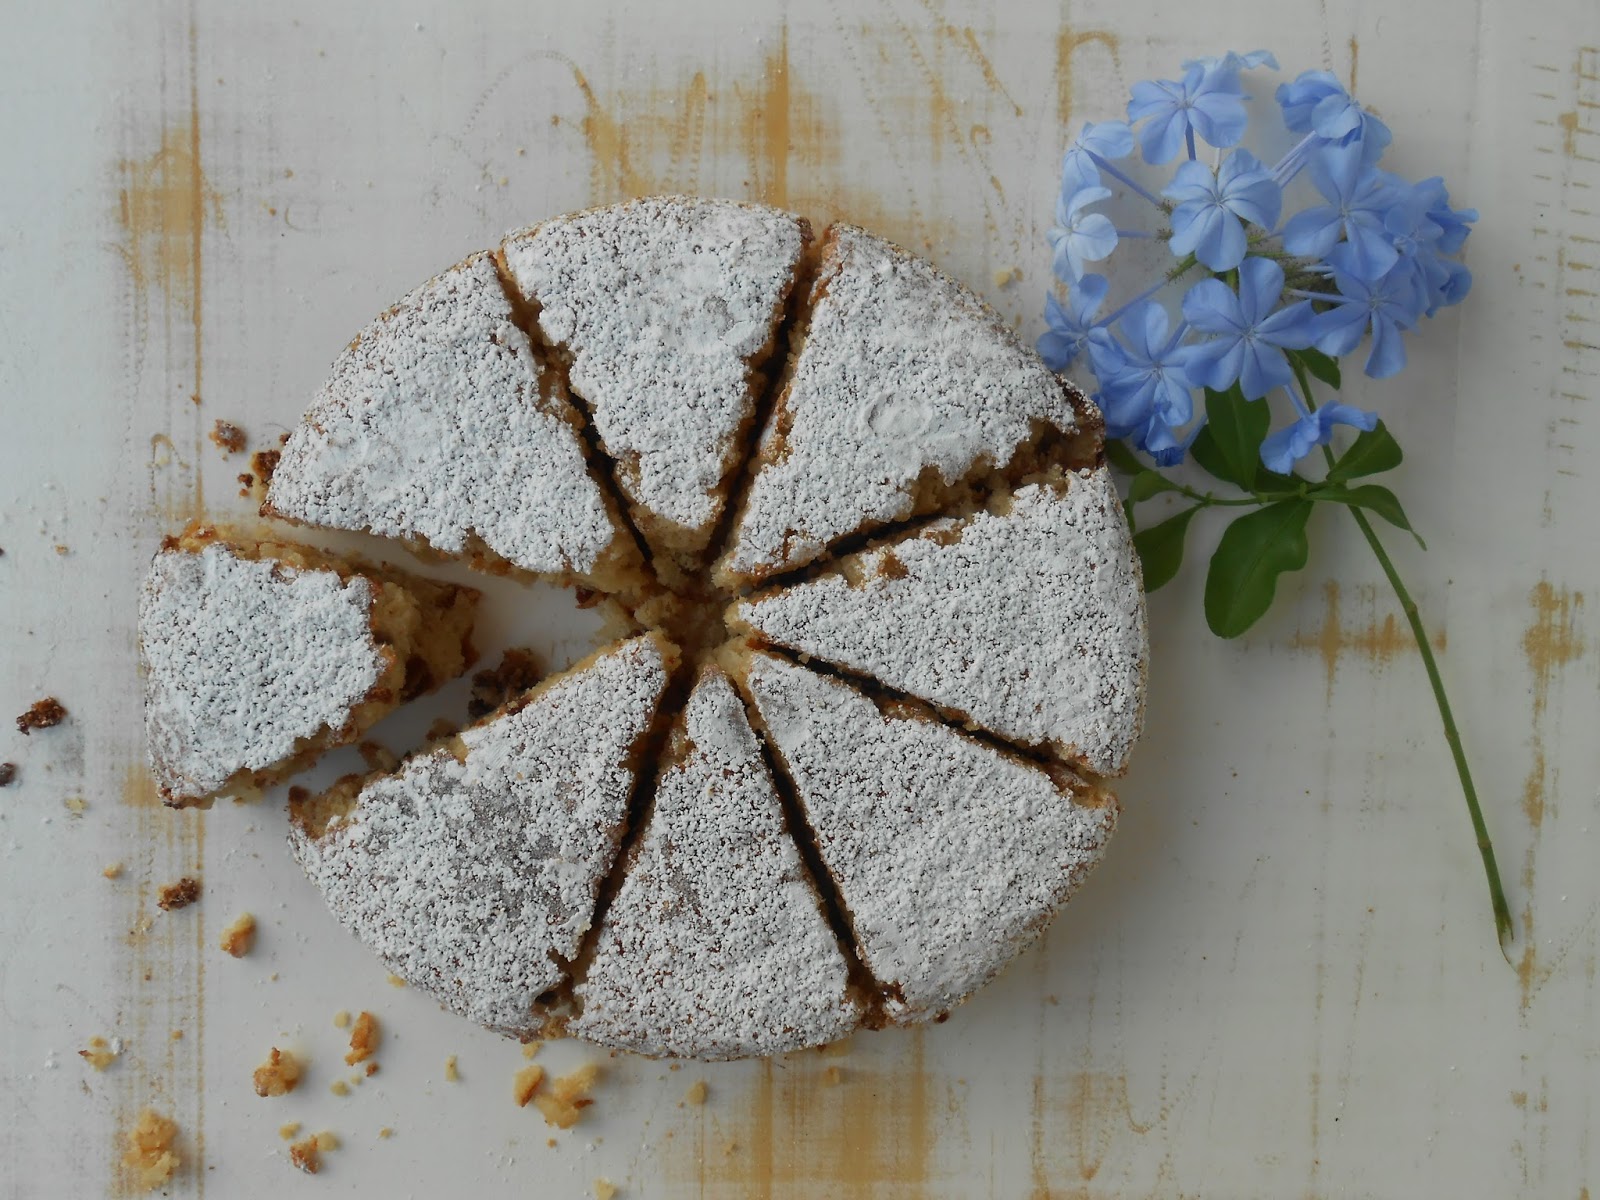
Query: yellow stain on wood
point(1068, 43)
point(1553, 639)
point(163, 974)
point(1568, 124)
point(1355, 62)
point(1076, 1118)
point(801, 1126)
point(164, 207)
point(1376, 641)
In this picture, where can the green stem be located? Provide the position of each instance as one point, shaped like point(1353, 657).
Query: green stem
point(1497, 895)
point(1504, 930)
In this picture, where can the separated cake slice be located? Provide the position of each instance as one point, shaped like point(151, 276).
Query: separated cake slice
point(439, 426)
point(906, 388)
point(259, 655)
point(664, 310)
point(949, 855)
point(715, 945)
point(1025, 619)
point(473, 870)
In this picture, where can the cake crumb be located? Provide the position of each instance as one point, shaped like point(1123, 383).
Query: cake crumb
point(42, 715)
point(341, 1019)
point(177, 1035)
point(279, 1075)
point(377, 756)
point(101, 1053)
point(518, 671)
point(339, 1087)
point(114, 871)
point(832, 1077)
point(372, 1069)
point(76, 805)
point(451, 1075)
point(551, 1142)
point(8, 773)
point(150, 1155)
point(396, 981)
point(238, 938)
point(307, 1154)
point(531, 1049)
point(386, 1133)
point(228, 438)
point(568, 1096)
point(263, 463)
point(526, 1083)
point(178, 895)
point(696, 1095)
point(63, 550)
point(363, 1039)
point(604, 1189)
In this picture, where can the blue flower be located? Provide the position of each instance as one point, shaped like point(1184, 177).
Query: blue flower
point(1078, 236)
point(1453, 224)
point(1359, 198)
point(1206, 102)
point(1235, 62)
point(1249, 337)
point(1100, 142)
point(1386, 307)
point(1207, 221)
point(1281, 450)
point(1148, 393)
point(1316, 102)
point(1072, 329)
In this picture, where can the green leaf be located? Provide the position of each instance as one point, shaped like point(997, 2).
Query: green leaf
point(1372, 453)
point(1254, 551)
point(1373, 497)
point(1147, 484)
point(1237, 426)
point(1208, 454)
point(1161, 548)
point(1320, 365)
point(1122, 458)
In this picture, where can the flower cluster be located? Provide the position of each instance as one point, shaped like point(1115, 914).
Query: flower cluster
point(1364, 258)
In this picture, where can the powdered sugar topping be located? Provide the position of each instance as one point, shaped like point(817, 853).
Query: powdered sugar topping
point(243, 658)
point(661, 303)
point(903, 371)
point(949, 855)
point(715, 946)
point(472, 878)
point(1031, 622)
point(435, 425)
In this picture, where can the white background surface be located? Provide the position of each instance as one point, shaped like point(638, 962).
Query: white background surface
point(1283, 982)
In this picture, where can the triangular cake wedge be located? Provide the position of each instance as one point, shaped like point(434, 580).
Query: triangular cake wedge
point(473, 870)
point(907, 387)
point(440, 427)
point(715, 945)
point(259, 655)
point(949, 854)
point(1025, 619)
point(664, 310)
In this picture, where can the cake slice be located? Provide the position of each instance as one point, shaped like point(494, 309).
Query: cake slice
point(664, 310)
point(1025, 618)
point(473, 869)
point(715, 945)
point(949, 854)
point(440, 427)
point(258, 655)
point(907, 388)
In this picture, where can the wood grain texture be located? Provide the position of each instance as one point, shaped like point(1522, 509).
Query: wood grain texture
point(1281, 983)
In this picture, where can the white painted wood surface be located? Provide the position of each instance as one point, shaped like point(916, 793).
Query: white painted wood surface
point(1283, 981)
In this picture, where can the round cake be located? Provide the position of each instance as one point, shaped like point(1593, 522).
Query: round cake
point(882, 633)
